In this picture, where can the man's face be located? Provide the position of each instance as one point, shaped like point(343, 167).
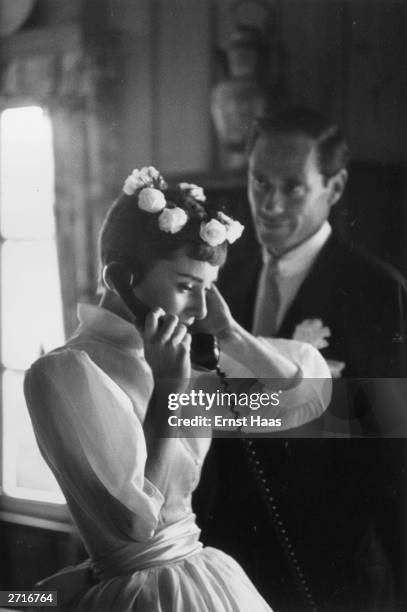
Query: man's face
point(288, 196)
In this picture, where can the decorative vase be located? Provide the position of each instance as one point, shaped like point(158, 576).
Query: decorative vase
point(253, 86)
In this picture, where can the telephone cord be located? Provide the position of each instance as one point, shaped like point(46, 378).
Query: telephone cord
point(265, 490)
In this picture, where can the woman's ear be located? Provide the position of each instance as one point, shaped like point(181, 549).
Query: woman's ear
point(117, 271)
point(136, 278)
point(337, 184)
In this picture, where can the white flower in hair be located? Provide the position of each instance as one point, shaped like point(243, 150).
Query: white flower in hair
point(194, 191)
point(172, 220)
point(151, 200)
point(234, 229)
point(146, 177)
point(213, 232)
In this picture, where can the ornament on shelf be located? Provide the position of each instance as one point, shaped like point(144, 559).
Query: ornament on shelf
point(13, 15)
point(253, 83)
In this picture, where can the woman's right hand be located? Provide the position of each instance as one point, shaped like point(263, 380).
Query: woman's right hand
point(219, 321)
point(167, 346)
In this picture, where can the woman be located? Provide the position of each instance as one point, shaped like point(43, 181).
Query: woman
point(99, 407)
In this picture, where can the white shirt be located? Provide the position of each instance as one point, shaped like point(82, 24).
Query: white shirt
point(88, 401)
point(292, 269)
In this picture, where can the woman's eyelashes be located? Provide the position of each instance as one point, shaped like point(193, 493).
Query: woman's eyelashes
point(187, 287)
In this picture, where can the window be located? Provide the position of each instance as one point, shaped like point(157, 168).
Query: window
point(30, 307)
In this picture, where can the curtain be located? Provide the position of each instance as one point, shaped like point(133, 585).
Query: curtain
point(78, 88)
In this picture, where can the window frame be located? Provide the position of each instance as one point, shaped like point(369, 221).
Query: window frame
point(77, 64)
point(55, 40)
point(15, 509)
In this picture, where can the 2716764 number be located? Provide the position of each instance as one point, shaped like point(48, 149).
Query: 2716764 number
point(28, 598)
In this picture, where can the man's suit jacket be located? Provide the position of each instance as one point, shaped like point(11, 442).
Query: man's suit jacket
point(362, 301)
point(334, 496)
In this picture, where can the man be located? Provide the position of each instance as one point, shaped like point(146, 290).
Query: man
point(315, 533)
point(297, 173)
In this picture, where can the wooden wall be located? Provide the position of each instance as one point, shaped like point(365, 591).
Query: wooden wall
point(166, 83)
point(346, 57)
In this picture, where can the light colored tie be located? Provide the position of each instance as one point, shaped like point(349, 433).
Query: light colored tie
point(268, 301)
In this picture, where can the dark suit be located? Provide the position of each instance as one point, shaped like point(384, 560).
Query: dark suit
point(334, 496)
point(360, 299)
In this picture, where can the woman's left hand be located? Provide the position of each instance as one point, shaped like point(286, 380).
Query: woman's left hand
point(219, 321)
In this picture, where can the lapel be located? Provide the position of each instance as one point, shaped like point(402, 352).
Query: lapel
point(321, 295)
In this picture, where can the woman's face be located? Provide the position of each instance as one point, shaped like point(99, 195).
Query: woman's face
point(179, 286)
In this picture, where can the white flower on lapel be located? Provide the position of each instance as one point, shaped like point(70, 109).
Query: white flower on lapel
point(314, 332)
point(335, 367)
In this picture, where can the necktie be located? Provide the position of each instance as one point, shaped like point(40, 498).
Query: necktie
point(268, 301)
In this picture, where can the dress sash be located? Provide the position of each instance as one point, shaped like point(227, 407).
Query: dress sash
point(169, 544)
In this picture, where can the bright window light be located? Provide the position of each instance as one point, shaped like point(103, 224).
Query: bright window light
point(27, 174)
point(30, 307)
point(30, 302)
point(26, 475)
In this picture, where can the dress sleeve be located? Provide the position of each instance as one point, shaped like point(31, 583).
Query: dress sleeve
point(301, 398)
point(79, 413)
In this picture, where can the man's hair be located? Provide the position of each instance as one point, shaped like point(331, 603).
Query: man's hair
point(332, 149)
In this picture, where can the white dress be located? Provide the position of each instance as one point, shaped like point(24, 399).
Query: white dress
point(87, 402)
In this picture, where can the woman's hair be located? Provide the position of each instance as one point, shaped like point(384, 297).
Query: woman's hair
point(133, 236)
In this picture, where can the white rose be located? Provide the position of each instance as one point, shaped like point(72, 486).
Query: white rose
point(146, 177)
point(234, 231)
point(148, 174)
point(172, 220)
point(132, 183)
point(194, 191)
point(152, 177)
point(151, 200)
point(213, 232)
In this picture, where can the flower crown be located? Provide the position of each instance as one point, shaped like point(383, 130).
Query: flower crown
point(150, 184)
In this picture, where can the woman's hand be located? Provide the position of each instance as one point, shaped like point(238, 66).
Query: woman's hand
point(167, 348)
point(219, 321)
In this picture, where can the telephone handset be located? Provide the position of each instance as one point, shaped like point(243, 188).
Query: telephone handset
point(118, 277)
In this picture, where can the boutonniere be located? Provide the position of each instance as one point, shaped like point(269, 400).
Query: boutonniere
point(316, 333)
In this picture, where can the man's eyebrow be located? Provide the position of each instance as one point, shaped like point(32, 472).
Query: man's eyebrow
point(295, 180)
point(190, 276)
